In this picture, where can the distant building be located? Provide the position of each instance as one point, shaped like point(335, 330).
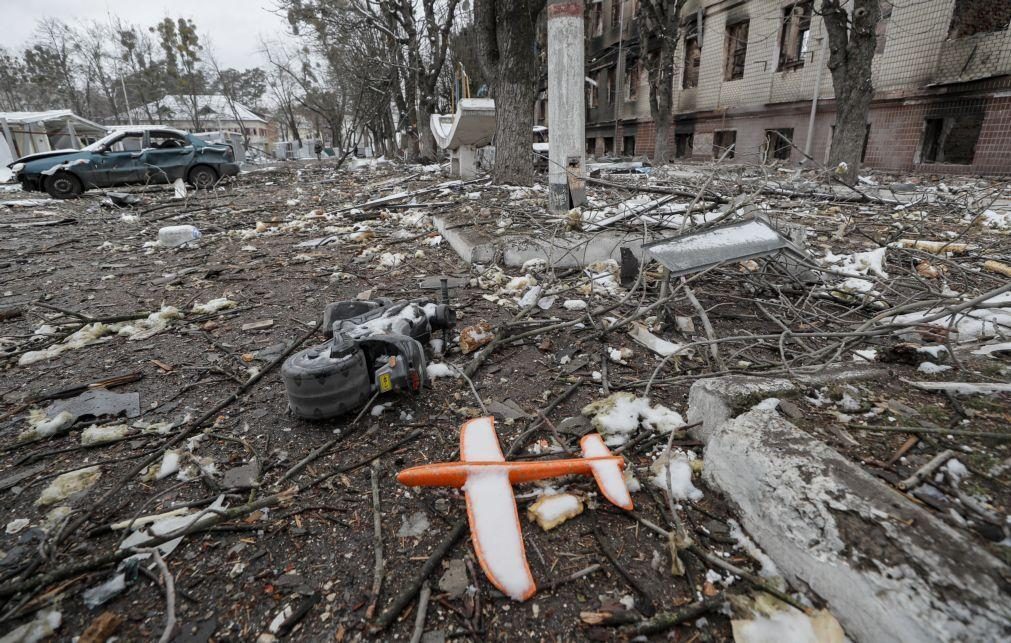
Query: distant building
point(214, 114)
point(746, 71)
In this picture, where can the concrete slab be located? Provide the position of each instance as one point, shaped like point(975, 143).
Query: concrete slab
point(475, 244)
point(715, 400)
point(888, 569)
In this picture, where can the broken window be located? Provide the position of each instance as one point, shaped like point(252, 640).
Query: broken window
point(615, 12)
point(693, 56)
point(628, 146)
point(724, 140)
point(592, 94)
point(979, 16)
point(735, 51)
point(952, 139)
point(793, 39)
point(597, 19)
point(683, 145)
point(608, 145)
point(161, 140)
point(778, 144)
point(633, 74)
point(610, 85)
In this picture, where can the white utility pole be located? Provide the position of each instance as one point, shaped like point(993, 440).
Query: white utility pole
point(566, 109)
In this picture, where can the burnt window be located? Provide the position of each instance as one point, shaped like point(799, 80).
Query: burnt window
point(615, 12)
point(608, 145)
point(952, 139)
point(736, 50)
point(633, 74)
point(979, 16)
point(628, 146)
point(591, 146)
point(592, 93)
point(724, 140)
point(597, 19)
point(610, 85)
point(778, 144)
point(683, 145)
point(693, 56)
point(793, 39)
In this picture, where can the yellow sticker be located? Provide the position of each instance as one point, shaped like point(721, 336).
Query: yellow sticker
point(385, 383)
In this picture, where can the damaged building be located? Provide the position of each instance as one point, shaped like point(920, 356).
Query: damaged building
point(746, 75)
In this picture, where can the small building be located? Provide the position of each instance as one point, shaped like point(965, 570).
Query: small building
point(23, 133)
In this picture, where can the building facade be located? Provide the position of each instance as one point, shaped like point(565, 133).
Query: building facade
point(748, 71)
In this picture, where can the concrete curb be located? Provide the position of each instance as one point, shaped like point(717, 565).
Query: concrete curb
point(887, 568)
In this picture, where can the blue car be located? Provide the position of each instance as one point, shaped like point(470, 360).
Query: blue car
point(127, 157)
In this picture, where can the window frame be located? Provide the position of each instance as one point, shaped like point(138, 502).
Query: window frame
point(792, 36)
point(735, 47)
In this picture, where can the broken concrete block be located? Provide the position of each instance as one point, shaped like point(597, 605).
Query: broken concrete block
point(455, 580)
point(888, 569)
point(552, 510)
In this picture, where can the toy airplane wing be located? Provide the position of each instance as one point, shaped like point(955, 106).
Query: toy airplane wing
point(491, 509)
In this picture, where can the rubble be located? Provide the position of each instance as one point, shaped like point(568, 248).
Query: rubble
point(881, 351)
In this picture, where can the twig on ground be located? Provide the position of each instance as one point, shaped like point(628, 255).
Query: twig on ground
point(377, 523)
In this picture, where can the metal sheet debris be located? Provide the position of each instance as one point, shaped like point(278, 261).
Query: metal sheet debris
point(96, 403)
point(732, 242)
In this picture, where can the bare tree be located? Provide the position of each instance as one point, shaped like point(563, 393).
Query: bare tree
point(852, 41)
point(658, 33)
point(228, 90)
point(51, 63)
point(508, 33)
point(91, 42)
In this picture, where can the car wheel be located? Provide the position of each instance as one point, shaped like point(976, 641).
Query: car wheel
point(202, 177)
point(63, 185)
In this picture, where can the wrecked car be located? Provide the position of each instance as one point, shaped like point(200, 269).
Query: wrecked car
point(127, 157)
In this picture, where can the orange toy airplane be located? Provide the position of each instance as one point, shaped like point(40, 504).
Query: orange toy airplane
point(487, 480)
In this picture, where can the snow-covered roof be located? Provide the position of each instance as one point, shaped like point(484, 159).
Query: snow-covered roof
point(50, 116)
point(210, 107)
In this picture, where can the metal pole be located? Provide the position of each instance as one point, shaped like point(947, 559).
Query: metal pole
point(619, 76)
point(566, 105)
point(814, 99)
point(126, 101)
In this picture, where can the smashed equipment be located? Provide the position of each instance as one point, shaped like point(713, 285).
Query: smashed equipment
point(375, 346)
point(487, 480)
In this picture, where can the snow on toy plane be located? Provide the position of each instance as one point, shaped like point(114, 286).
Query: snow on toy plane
point(487, 481)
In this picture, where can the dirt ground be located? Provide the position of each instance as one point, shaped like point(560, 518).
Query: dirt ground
point(311, 548)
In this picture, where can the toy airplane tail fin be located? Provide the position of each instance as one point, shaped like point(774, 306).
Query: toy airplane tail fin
point(607, 473)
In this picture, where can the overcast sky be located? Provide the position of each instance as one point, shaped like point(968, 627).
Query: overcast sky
point(233, 26)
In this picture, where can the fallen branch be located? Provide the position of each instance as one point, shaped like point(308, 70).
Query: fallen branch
point(926, 470)
point(377, 523)
point(408, 593)
point(666, 620)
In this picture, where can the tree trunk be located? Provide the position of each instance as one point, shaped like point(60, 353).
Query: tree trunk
point(661, 104)
point(508, 30)
point(658, 31)
point(426, 140)
point(852, 41)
